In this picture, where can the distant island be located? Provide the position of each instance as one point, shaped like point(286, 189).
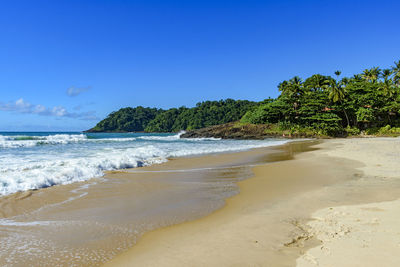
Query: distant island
point(322, 106)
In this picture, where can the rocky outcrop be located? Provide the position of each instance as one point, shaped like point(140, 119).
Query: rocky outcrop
point(234, 130)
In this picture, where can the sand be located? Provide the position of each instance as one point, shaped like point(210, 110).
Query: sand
point(88, 223)
point(269, 223)
point(315, 203)
point(360, 235)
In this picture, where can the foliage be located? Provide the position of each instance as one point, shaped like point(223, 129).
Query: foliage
point(334, 106)
point(127, 120)
point(367, 102)
point(351, 131)
point(205, 114)
point(388, 131)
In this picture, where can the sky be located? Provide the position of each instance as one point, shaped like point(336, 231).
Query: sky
point(64, 65)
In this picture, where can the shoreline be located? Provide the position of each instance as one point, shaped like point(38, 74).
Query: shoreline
point(88, 223)
point(267, 223)
point(194, 214)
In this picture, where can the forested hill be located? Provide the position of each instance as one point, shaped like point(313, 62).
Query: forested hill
point(204, 114)
point(320, 105)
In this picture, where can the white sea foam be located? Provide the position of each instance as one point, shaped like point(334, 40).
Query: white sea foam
point(162, 138)
point(176, 137)
point(25, 168)
point(31, 141)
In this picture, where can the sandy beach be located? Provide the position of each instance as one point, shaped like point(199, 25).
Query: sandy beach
point(89, 223)
point(335, 206)
point(366, 234)
point(310, 203)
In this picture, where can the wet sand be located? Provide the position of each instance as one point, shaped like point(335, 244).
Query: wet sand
point(186, 212)
point(87, 224)
point(267, 224)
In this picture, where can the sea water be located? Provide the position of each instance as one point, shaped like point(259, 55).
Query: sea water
point(33, 160)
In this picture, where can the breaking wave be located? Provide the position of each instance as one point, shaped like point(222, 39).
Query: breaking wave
point(32, 165)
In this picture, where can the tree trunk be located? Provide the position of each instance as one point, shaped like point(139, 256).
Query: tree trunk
point(347, 117)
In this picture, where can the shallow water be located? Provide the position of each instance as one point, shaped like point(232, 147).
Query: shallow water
point(30, 160)
point(88, 223)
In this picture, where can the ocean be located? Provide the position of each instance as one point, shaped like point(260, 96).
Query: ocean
point(34, 160)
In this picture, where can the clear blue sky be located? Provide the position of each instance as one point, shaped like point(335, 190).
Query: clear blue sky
point(66, 64)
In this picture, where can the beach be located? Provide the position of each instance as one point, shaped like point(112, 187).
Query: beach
point(289, 214)
point(305, 203)
point(199, 133)
point(88, 223)
point(361, 234)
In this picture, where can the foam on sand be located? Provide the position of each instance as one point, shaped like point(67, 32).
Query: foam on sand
point(33, 161)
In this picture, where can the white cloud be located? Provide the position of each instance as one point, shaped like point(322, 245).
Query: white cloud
point(74, 91)
point(39, 109)
point(21, 106)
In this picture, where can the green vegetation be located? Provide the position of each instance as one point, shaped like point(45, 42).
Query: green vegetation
point(368, 102)
point(205, 114)
point(127, 120)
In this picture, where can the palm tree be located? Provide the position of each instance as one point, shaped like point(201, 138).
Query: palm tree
point(358, 77)
point(284, 87)
point(371, 75)
point(296, 84)
point(295, 90)
point(317, 82)
point(337, 93)
point(345, 81)
point(367, 75)
point(396, 72)
point(376, 72)
point(386, 73)
point(387, 85)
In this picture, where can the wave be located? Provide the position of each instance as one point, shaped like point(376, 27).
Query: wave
point(49, 172)
point(44, 170)
point(24, 141)
point(19, 141)
point(175, 137)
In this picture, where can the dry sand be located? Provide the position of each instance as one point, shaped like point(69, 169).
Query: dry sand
point(361, 235)
point(268, 223)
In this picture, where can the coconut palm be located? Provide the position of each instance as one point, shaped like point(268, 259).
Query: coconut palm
point(376, 72)
point(293, 87)
point(295, 90)
point(367, 75)
point(317, 82)
point(387, 85)
point(345, 81)
point(284, 87)
point(358, 77)
point(386, 73)
point(337, 93)
point(371, 75)
point(396, 72)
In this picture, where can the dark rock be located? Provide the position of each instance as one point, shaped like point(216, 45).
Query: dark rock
point(233, 130)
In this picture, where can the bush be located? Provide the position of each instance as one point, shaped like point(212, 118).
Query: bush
point(352, 131)
point(389, 131)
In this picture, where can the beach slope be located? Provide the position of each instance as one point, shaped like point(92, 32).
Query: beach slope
point(268, 223)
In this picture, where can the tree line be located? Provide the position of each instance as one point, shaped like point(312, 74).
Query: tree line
point(368, 101)
point(320, 105)
point(204, 114)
